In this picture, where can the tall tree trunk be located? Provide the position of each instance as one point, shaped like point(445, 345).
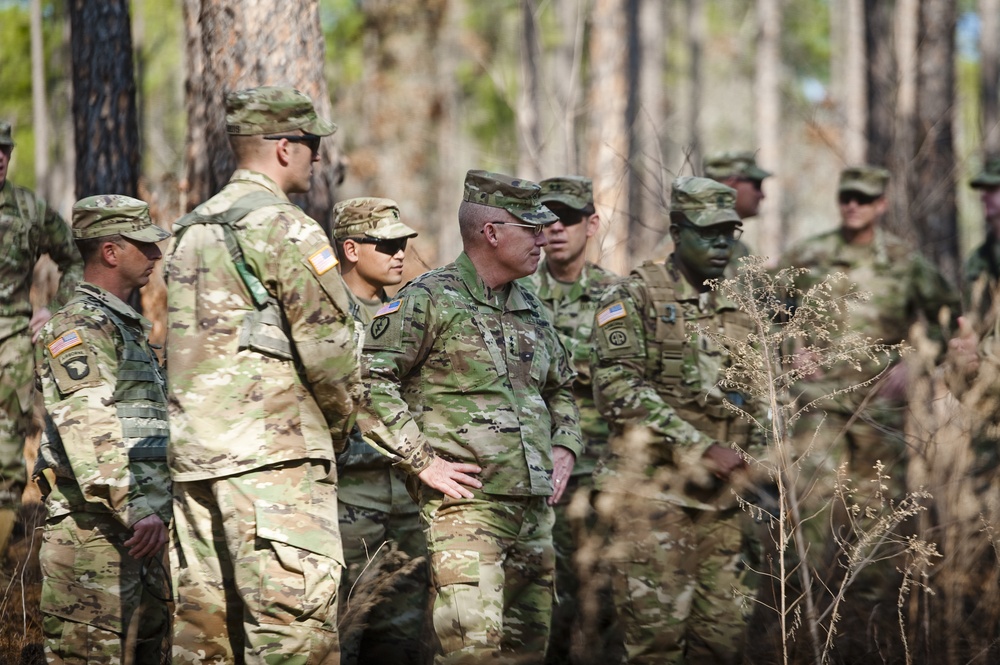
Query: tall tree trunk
point(235, 44)
point(855, 96)
point(696, 75)
point(901, 158)
point(529, 136)
point(566, 81)
point(39, 108)
point(989, 75)
point(608, 133)
point(104, 115)
point(933, 178)
point(769, 236)
point(881, 79)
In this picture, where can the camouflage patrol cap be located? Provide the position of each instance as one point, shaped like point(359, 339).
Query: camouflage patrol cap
point(369, 217)
point(738, 164)
point(990, 176)
point(115, 214)
point(6, 135)
point(574, 191)
point(272, 109)
point(703, 201)
point(869, 180)
point(518, 197)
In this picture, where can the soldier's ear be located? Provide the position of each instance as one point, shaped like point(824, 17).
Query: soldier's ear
point(109, 253)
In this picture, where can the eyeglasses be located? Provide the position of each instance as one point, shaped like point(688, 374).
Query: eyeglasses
point(536, 229)
point(845, 198)
point(714, 233)
point(570, 217)
point(390, 247)
point(310, 140)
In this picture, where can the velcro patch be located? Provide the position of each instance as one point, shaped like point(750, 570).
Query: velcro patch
point(75, 370)
point(611, 313)
point(389, 307)
point(65, 342)
point(324, 260)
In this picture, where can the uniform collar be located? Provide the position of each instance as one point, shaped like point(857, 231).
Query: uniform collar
point(258, 178)
point(113, 302)
point(510, 297)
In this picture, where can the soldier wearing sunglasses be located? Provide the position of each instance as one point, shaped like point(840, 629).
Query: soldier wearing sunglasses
point(374, 505)
point(739, 170)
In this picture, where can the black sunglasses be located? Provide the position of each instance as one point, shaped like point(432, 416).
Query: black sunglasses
point(713, 233)
point(390, 247)
point(861, 199)
point(310, 140)
point(571, 217)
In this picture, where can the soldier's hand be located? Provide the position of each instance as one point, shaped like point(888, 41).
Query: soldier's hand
point(149, 535)
point(39, 319)
point(451, 477)
point(963, 348)
point(722, 461)
point(563, 460)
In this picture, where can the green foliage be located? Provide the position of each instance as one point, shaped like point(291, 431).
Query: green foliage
point(343, 25)
point(805, 36)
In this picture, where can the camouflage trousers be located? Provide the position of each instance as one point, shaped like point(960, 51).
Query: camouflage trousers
point(492, 569)
point(257, 560)
point(393, 626)
point(677, 578)
point(99, 605)
point(17, 380)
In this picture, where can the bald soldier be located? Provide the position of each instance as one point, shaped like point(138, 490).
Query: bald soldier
point(474, 389)
point(375, 507)
point(263, 387)
point(102, 461)
point(739, 170)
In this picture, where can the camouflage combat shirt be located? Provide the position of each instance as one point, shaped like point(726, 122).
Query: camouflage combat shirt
point(28, 229)
point(572, 307)
point(471, 374)
point(105, 395)
point(982, 275)
point(234, 408)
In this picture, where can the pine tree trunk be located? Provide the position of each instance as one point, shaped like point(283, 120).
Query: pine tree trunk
point(989, 74)
point(768, 237)
point(235, 44)
point(104, 114)
point(855, 96)
point(529, 137)
point(39, 108)
point(882, 79)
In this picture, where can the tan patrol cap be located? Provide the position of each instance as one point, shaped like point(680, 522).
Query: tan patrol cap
point(115, 214)
point(369, 217)
point(574, 191)
point(739, 164)
point(518, 197)
point(703, 201)
point(271, 109)
point(869, 180)
point(990, 175)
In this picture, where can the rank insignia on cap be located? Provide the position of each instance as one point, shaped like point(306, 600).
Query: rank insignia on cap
point(611, 313)
point(64, 342)
point(389, 307)
point(323, 260)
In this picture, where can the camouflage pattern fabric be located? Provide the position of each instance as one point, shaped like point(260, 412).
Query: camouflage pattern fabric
point(264, 590)
point(870, 180)
point(733, 164)
point(250, 389)
point(270, 109)
point(518, 197)
point(982, 276)
point(105, 450)
point(671, 519)
point(492, 570)
point(28, 229)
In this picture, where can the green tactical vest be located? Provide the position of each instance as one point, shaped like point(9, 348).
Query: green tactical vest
point(665, 359)
point(264, 328)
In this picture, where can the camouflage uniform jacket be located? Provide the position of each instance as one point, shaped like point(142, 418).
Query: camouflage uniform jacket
point(367, 478)
point(105, 442)
point(238, 400)
point(653, 370)
point(472, 374)
point(904, 285)
point(572, 307)
point(982, 273)
point(28, 229)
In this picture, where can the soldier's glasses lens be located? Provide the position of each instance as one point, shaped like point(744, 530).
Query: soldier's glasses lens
point(845, 198)
point(713, 233)
point(536, 229)
point(390, 247)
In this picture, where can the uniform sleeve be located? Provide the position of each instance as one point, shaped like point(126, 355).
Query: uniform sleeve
point(559, 398)
point(76, 366)
point(57, 242)
point(396, 343)
point(622, 394)
point(314, 299)
point(932, 293)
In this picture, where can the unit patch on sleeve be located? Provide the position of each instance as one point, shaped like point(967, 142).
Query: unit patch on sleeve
point(73, 364)
point(65, 342)
point(386, 331)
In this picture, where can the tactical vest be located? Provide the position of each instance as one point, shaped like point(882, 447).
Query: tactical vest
point(665, 359)
point(264, 328)
point(140, 403)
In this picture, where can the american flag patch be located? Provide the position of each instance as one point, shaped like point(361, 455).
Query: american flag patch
point(611, 313)
point(389, 307)
point(323, 260)
point(66, 341)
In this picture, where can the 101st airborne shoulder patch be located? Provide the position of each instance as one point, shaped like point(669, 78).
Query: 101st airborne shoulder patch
point(73, 365)
point(386, 331)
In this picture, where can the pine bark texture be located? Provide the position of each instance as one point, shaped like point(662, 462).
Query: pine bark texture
point(989, 75)
point(236, 44)
point(106, 131)
point(768, 236)
point(881, 78)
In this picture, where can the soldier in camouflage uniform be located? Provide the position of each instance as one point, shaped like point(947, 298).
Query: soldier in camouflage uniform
point(982, 269)
point(263, 385)
point(103, 458)
point(28, 229)
point(569, 286)
point(666, 487)
point(474, 393)
point(375, 506)
point(739, 170)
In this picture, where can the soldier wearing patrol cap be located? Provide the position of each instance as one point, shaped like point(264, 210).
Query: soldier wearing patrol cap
point(666, 491)
point(982, 269)
point(739, 170)
point(29, 228)
point(102, 460)
point(471, 392)
point(375, 506)
point(569, 286)
point(264, 387)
